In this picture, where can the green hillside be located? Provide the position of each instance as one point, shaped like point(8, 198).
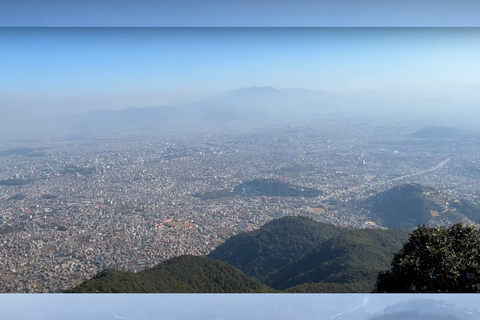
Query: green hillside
point(184, 274)
point(277, 243)
point(274, 188)
point(296, 253)
point(353, 256)
point(330, 287)
point(291, 254)
point(408, 206)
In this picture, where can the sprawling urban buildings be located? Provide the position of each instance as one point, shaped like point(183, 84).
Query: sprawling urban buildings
point(71, 207)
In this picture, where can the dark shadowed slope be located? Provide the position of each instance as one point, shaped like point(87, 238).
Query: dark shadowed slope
point(296, 253)
point(352, 257)
point(277, 243)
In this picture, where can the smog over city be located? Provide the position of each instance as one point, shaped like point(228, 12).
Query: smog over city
point(123, 149)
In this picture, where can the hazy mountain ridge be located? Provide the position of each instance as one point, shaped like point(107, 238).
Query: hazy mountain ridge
point(259, 105)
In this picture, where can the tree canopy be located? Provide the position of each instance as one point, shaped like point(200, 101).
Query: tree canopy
point(184, 274)
point(435, 260)
point(261, 252)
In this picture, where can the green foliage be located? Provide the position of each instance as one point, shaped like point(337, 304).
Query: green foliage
point(297, 254)
point(294, 251)
point(331, 287)
point(274, 188)
point(219, 194)
point(263, 188)
point(353, 256)
point(279, 242)
point(184, 274)
point(402, 207)
point(408, 206)
point(434, 258)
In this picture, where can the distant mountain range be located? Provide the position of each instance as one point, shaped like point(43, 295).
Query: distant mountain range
point(267, 104)
point(258, 106)
point(254, 105)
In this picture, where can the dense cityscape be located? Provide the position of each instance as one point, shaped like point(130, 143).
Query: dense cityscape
point(74, 206)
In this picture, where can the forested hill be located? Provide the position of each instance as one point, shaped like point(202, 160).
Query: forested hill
point(279, 242)
point(291, 254)
point(298, 254)
point(410, 205)
point(184, 274)
point(352, 257)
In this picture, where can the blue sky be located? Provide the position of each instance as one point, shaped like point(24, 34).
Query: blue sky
point(123, 67)
point(240, 13)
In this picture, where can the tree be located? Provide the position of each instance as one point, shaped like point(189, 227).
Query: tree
point(442, 259)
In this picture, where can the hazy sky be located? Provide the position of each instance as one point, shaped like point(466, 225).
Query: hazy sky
point(66, 69)
point(187, 306)
point(240, 13)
